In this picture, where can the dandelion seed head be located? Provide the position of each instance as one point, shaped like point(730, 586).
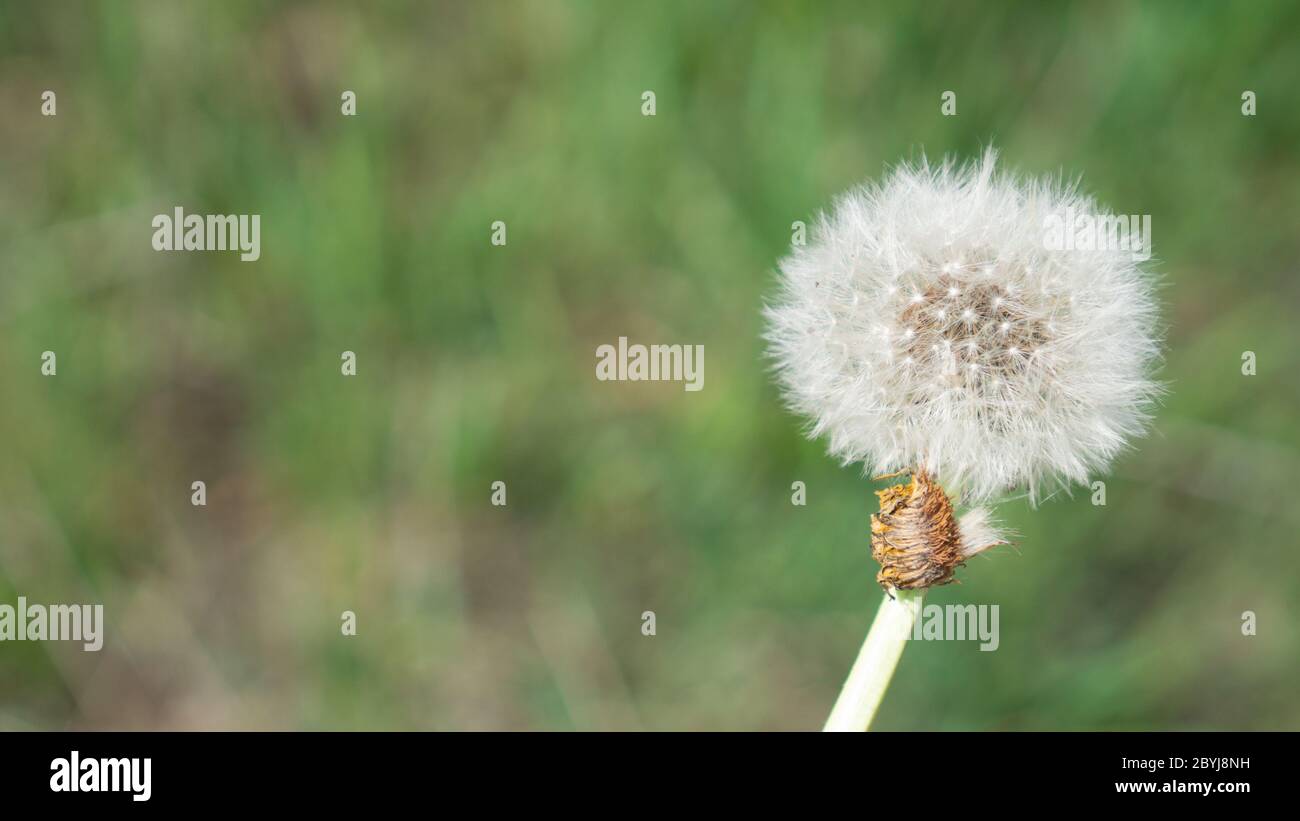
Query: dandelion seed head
point(1029, 373)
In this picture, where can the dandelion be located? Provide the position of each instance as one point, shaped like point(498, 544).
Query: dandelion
point(1004, 366)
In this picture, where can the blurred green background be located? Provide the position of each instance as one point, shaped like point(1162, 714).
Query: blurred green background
point(476, 364)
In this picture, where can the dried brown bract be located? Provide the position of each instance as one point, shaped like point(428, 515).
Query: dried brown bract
point(917, 539)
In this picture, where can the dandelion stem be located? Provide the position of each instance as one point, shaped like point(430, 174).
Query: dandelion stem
point(871, 673)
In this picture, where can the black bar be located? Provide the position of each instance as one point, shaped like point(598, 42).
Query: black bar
point(875, 771)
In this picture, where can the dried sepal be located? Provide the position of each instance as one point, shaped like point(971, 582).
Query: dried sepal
point(916, 538)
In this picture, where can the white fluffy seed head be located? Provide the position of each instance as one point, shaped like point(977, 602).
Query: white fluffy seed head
point(927, 324)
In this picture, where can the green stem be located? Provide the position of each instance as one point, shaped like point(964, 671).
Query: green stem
point(869, 678)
